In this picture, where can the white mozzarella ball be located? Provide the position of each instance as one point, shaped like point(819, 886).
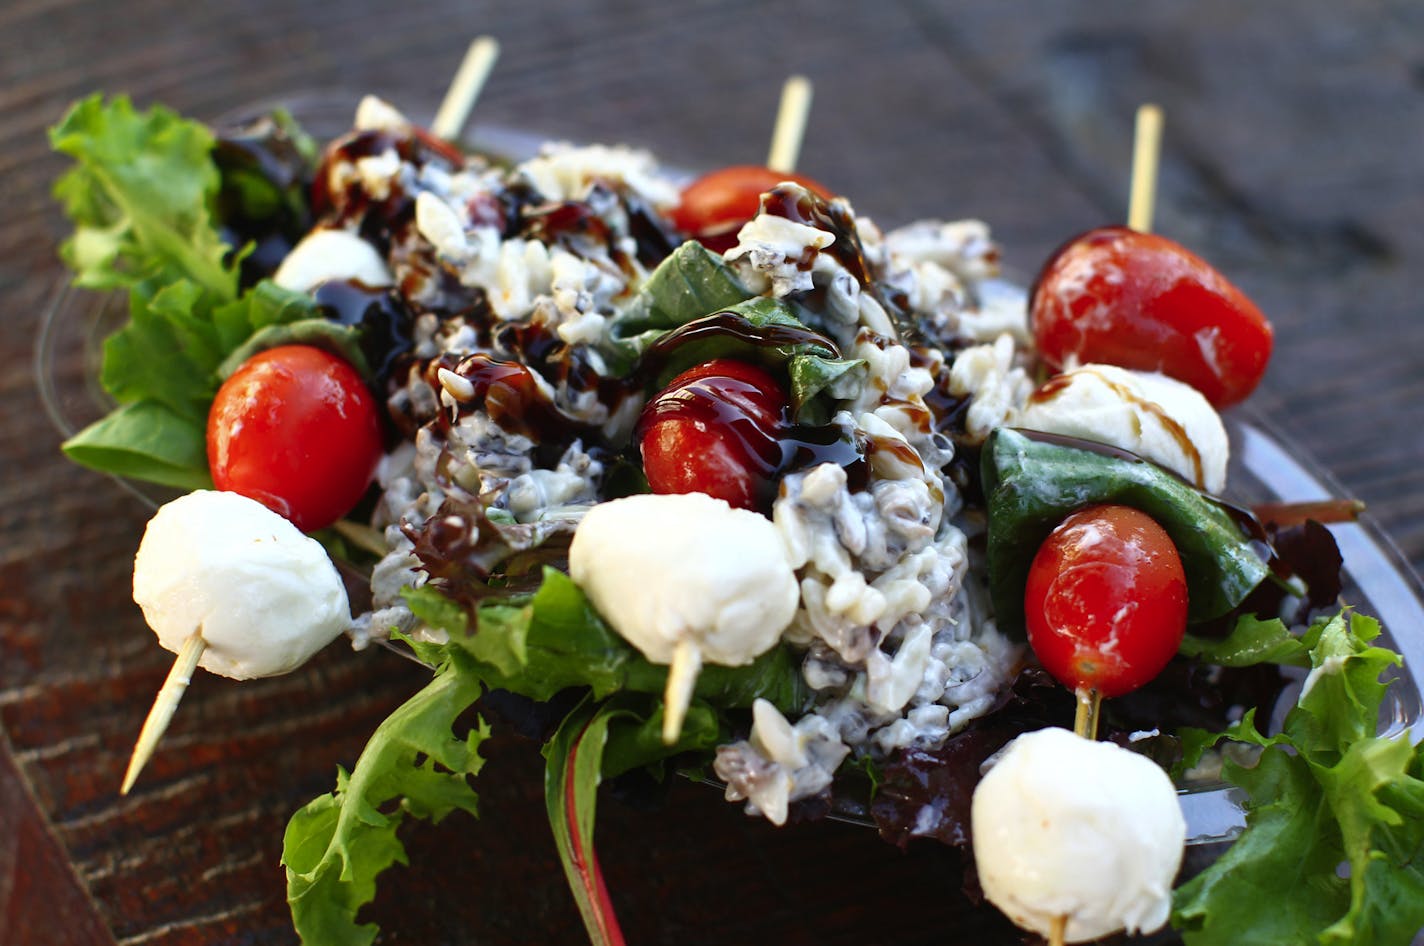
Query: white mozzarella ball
point(1150, 414)
point(264, 596)
point(1065, 826)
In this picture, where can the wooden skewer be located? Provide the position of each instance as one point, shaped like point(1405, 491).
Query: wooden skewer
point(465, 88)
point(1058, 932)
point(164, 705)
point(790, 127)
point(1146, 148)
point(1085, 720)
point(682, 677)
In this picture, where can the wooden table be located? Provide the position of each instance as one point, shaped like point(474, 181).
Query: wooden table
point(1294, 132)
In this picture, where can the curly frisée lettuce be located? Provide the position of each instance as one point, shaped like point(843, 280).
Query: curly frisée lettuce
point(1333, 851)
point(335, 847)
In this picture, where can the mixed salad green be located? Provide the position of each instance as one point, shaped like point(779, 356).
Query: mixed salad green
point(153, 213)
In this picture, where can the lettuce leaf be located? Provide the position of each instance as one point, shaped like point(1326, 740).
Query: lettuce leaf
point(1252, 641)
point(140, 196)
point(597, 741)
point(1327, 791)
point(556, 640)
point(414, 764)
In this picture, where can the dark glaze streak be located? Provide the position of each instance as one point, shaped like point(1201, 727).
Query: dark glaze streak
point(770, 454)
point(1057, 385)
point(785, 340)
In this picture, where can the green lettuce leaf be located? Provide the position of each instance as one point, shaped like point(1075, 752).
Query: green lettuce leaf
point(1031, 485)
point(140, 196)
point(414, 764)
point(556, 640)
point(1327, 791)
point(1253, 641)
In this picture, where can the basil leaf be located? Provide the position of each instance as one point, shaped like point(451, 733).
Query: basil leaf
point(1032, 484)
point(691, 282)
point(762, 331)
point(342, 341)
point(144, 441)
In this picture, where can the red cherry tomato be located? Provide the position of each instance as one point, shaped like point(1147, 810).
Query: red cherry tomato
point(296, 429)
point(1106, 600)
point(714, 430)
point(1137, 300)
point(714, 207)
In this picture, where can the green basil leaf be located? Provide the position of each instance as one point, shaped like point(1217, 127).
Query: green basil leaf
point(144, 441)
point(691, 282)
point(1032, 484)
point(343, 341)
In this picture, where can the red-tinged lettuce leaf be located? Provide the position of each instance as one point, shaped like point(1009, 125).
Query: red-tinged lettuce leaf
point(335, 848)
point(594, 742)
point(1327, 791)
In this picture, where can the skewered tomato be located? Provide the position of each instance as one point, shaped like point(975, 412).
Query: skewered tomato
point(1138, 300)
point(714, 207)
point(1106, 600)
point(714, 430)
point(296, 429)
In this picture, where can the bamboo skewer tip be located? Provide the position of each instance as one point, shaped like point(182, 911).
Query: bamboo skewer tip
point(165, 704)
point(465, 88)
point(791, 117)
point(1146, 155)
point(682, 677)
point(1058, 931)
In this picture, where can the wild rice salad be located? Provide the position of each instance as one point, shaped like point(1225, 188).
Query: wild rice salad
point(572, 366)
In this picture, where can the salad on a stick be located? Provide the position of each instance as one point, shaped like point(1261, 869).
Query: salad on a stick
point(756, 495)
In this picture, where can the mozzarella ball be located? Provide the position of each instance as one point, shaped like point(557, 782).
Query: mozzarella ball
point(1065, 826)
point(264, 596)
point(662, 568)
point(1150, 414)
point(328, 255)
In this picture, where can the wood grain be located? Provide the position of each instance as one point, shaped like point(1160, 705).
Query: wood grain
point(1291, 158)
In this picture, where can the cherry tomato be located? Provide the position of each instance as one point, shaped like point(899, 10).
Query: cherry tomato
point(1137, 300)
point(714, 207)
point(714, 430)
point(296, 429)
point(1106, 600)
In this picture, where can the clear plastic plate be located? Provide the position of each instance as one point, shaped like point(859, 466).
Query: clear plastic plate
point(1264, 468)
